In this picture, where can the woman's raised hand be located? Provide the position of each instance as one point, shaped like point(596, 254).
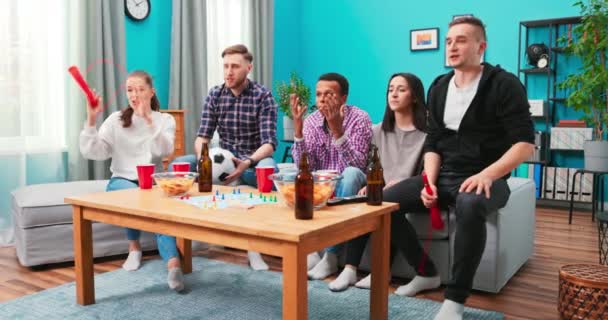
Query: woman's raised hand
point(93, 111)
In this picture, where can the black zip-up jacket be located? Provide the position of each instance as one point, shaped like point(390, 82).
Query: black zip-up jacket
point(498, 117)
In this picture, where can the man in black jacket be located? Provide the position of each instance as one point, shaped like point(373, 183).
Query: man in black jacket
point(479, 130)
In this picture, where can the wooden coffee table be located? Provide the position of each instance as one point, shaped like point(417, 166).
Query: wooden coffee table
point(270, 229)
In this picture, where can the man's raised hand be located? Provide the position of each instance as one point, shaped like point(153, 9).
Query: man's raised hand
point(334, 114)
point(297, 108)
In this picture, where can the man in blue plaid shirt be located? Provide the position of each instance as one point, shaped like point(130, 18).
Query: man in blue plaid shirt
point(245, 116)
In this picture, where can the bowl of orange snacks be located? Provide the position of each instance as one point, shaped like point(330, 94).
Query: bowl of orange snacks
point(175, 183)
point(324, 186)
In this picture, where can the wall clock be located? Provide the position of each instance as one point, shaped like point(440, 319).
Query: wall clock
point(137, 10)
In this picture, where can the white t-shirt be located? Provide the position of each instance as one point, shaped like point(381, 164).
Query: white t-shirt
point(138, 144)
point(458, 101)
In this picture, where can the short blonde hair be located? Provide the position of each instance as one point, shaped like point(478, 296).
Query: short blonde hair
point(471, 21)
point(239, 49)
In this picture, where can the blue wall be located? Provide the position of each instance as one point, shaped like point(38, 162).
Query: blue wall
point(367, 41)
point(149, 46)
point(287, 52)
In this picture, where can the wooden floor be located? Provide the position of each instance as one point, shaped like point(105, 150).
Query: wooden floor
point(531, 294)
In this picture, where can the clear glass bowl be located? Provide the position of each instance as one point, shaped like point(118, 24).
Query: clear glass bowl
point(175, 183)
point(324, 187)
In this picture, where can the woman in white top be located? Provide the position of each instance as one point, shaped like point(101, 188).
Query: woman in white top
point(138, 134)
point(399, 139)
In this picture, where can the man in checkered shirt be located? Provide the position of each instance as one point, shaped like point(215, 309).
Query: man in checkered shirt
point(335, 137)
point(245, 116)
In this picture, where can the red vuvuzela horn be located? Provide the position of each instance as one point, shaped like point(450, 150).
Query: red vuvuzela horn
point(436, 221)
point(73, 70)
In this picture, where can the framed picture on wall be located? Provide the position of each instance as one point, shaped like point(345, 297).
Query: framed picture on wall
point(456, 16)
point(424, 39)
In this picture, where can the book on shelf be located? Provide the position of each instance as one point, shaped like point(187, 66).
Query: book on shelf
point(572, 123)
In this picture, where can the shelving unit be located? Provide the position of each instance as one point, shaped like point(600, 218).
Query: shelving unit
point(545, 82)
point(537, 70)
point(552, 34)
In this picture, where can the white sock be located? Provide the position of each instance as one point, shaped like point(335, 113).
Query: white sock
point(256, 262)
point(365, 283)
point(175, 279)
point(450, 310)
point(346, 279)
point(418, 284)
point(133, 261)
point(312, 259)
point(327, 266)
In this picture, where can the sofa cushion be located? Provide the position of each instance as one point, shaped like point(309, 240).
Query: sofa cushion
point(43, 204)
point(421, 222)
point(509, 243)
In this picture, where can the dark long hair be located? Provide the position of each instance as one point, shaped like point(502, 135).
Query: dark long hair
point(418, 104)
point(126, 115)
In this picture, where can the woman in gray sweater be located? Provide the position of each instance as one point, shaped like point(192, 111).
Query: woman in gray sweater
point(399, 139)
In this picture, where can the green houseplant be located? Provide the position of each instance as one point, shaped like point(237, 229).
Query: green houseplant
point(588, 87)
point(283, 91)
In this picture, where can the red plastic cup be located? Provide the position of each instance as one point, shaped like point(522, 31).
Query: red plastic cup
point(144, 175)
point(181, 166)
point(262, 173)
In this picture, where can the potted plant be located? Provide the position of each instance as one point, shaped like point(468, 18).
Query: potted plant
point(283, 92)
point(589, 86)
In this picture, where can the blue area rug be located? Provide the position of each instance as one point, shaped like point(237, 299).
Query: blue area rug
point(215, 290)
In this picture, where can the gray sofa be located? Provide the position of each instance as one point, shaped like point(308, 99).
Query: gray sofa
point(43, 224)
point(510, 240)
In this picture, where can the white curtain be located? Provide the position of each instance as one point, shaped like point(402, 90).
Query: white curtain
point(228, 23)
point(97, 45)
point(33, 41)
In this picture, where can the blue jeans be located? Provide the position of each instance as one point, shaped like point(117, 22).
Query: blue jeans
point(166, 244)
point(248, 176)
point(353, 179)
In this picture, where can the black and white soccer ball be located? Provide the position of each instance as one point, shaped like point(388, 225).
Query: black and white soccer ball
point(222, 165)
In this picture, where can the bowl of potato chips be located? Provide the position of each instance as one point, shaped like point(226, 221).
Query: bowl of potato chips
point(323, 189)
point(175, 183)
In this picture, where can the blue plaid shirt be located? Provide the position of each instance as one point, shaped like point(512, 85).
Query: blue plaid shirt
point(244, 123)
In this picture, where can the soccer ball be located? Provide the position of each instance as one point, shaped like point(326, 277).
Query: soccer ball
point(222, 165)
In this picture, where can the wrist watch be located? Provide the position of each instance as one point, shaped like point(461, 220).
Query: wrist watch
point(252, 162)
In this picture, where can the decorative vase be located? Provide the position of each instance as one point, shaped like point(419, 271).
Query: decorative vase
point(287, 128)
point(596, 156)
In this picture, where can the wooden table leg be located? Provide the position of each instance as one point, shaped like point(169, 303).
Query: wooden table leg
point(83, 257)
point(185, 249)
point(295, 284)
point(380, 242)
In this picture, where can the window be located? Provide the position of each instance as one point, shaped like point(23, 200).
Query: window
point(229, 22)
point(32, 75)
